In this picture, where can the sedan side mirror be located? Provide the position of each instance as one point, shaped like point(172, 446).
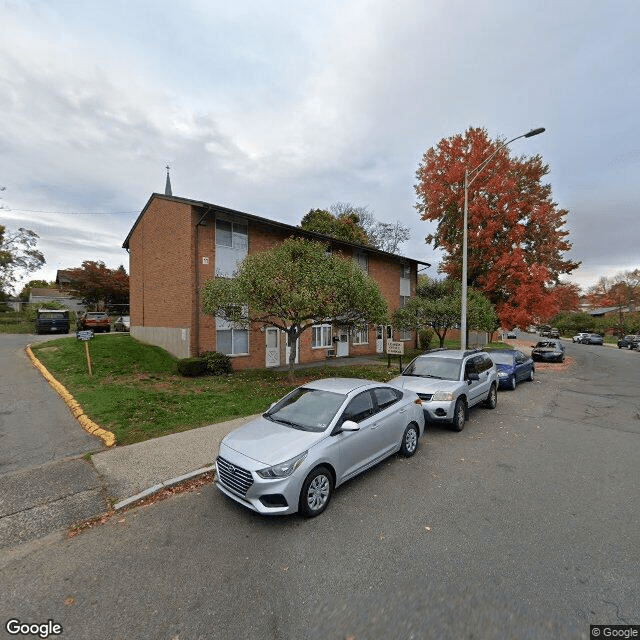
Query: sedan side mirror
point(350, 425)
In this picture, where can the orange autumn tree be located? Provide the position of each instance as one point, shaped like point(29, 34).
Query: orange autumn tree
point(516, 236)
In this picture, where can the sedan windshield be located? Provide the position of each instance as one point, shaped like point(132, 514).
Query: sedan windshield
point(444, 368)
point(306, 409)
point(501, 358)
point(546, 345)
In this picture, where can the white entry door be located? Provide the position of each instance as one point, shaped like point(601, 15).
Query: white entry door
point(342, 346)
point(380, 338)
point(272, 350)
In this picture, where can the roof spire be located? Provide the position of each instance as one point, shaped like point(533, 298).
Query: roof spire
point(167, 188)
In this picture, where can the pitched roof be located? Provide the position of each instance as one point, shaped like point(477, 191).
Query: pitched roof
point(214, 208)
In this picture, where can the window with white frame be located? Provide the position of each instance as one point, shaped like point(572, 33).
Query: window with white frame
point(406, 335)
point(321, 336)
point(231, 339)
point(404, 300)
point(232, 243)
point(361, 336)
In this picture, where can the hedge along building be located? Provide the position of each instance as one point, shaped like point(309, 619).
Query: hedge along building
point(177, 244)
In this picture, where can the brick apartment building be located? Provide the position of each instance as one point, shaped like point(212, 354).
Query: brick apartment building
point(177, 244)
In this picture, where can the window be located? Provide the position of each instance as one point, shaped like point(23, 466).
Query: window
point(363, 261)
point(320, 336)
point(385, 397)
point(361, 336)
point(404, 300)
point(232, 243)
point(406, 334)
point(405, 271)
point(360, 408)
point(232, 342)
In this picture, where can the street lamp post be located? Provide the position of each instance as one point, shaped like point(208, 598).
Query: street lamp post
point(469, 177)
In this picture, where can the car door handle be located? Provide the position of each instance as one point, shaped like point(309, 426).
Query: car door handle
point(403, 410)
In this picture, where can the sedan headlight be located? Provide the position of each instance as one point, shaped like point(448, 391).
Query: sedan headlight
point(503, 374)
point(440, 396)
point(284, 469)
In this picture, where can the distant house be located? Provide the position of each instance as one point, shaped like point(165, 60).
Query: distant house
point(176, 244)
point(37, 296)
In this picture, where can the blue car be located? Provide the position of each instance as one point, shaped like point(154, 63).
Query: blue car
point(513, 366)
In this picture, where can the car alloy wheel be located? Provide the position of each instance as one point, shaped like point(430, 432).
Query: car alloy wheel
point(316, 492)
point(512, 382)
point(492, 399)
point(531, 372)
point(459, 415)
point(409, 441)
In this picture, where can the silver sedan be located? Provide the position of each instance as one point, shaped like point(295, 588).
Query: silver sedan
point(314, 439)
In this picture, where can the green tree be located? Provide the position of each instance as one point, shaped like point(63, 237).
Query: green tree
point(343, 227)
point(438, 305)
point(18, 256)
point(292, 286)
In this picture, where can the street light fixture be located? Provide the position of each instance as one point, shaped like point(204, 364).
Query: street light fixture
point(469, 177)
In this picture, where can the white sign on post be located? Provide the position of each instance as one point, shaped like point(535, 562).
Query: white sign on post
point(395, 348)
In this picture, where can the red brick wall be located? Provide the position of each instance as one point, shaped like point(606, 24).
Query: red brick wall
point(161, 265)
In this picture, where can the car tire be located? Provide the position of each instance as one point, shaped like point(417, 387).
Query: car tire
point(409, 443)
point(492, 398)
point(512, 383)
point(316, 492)
point(459, 415)
point(531, 374)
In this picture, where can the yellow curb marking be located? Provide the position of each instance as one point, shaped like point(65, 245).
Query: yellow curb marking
point(87, 424)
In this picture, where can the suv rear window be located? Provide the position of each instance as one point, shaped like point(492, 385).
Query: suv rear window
point(58, 315)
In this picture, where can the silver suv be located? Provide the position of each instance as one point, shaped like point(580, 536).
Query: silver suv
point(450, 382)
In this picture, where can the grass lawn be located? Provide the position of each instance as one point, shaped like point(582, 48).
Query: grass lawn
point(136, 392)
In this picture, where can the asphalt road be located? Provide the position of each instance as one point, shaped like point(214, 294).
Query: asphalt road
point(524, 525)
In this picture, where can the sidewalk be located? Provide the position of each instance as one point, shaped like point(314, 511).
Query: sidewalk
point(134, 471)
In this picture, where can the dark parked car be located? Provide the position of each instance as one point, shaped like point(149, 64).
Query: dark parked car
point(629, 342)
point(548, 351)
point(123, 323)
point(512, 335)
point(592, 338)
point(95, 320)
point(513, 366)
point(52, 321)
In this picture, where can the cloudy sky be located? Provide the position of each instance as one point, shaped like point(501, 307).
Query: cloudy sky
point(276, 107)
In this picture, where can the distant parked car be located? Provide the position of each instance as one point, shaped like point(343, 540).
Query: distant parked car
point(314, 439)
point(548, 351)
point(592, 338)
point(511, 335)
point(52, 321)
point(513, 366)
point(629, 342)
point(123, 323)
point(95, 320)
point(578, 337)
point(554, 333)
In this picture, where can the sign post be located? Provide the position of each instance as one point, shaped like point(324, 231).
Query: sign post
point(85, 336)
point(395, 349)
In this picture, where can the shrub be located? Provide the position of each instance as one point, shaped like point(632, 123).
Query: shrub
point(218, 364)
point(192, 367)
point(425, 336)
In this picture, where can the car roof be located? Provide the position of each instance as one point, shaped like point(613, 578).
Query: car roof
point(494, 350)
point(456, 354)
point(342, 385)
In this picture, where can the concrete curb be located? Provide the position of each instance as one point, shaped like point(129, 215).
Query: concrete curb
point(86, 423)
point(163, 485)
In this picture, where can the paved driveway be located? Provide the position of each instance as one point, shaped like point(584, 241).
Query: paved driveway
point(35, 424)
